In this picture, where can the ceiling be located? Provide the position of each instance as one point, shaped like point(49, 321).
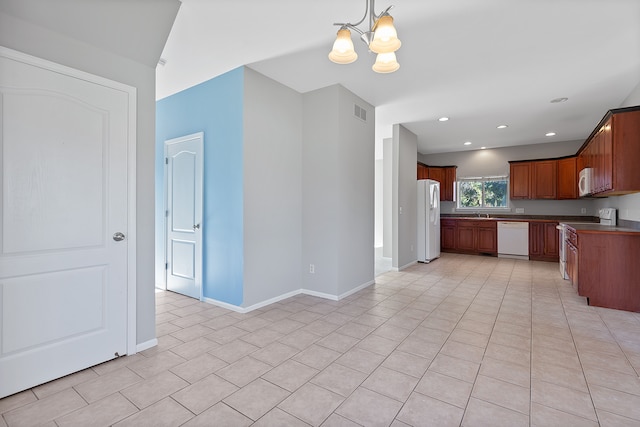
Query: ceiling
point(480, 63)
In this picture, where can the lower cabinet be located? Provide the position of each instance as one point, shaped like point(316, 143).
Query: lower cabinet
point(469, 236)
point(604, 268)
point(543, 241)
point(448, 235)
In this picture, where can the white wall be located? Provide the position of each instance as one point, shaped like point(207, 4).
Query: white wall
point(338, 192)
point(387, 196)
point(272, 188)
point(405, 205)
point(26, 37)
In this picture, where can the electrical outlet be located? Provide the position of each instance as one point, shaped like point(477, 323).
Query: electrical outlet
point(583, 210)
point(520, 210)
point(400, 210)
point(312, 269)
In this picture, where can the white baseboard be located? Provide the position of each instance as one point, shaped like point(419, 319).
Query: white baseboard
point(270, 301)
point(354, 290)
point(407, 265)
point(146, 345)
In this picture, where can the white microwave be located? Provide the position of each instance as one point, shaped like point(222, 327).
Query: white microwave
point(584, 182)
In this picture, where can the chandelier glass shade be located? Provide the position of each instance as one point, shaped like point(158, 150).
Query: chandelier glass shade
point(380, 37)
point(343, 51)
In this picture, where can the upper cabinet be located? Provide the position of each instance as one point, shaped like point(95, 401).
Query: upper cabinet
point(613, 151)
point(540, 179)
point(544, 179)
point(445, 175)
point(567, 178)
point(520, 180)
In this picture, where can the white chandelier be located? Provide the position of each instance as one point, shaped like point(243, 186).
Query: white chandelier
point(381, 38)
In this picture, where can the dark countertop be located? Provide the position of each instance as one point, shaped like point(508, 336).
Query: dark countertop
point(541, 218)
point(581, 227)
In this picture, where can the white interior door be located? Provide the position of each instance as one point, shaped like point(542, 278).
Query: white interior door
point(184, 214)
point(64, 148)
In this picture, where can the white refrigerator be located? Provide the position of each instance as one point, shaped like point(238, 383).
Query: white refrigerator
point(428, 220)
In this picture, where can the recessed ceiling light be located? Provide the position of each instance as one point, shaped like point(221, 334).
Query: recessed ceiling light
point(443, 119)
point(558, 100)
point(467, 143)
point(483, 148)
point(502, 126)
point(550, 134)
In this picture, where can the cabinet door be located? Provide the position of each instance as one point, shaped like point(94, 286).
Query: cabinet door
point(447, 193)
point(423, 171)
point(572, 264)
point(551, 249)
point(567, 178)
point(437, 174)
point(465, 238)
point(487, 240)
point(536, 240)
point(544, 178)
point(448, 237)
point(519, 180)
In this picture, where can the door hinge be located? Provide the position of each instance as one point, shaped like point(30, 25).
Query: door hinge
point(166, 213)
point(166, 160)
point(166, 265)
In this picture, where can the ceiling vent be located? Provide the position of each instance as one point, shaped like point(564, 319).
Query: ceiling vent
point(359, 112)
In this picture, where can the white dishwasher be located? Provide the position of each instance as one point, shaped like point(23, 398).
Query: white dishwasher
point(513, 239)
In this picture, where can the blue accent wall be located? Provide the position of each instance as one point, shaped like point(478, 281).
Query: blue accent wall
point(214, 107)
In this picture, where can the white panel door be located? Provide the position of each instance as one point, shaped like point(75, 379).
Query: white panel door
point(184, 214)
point(63, 194)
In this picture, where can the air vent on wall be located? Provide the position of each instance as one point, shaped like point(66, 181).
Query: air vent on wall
point(359, 112)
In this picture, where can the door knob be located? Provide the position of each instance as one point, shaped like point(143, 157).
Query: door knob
point(118, 237)
point(196, 227)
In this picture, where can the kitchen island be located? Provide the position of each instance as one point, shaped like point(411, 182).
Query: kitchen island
point(603, 264)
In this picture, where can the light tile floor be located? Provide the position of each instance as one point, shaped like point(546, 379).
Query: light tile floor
point(465, 340)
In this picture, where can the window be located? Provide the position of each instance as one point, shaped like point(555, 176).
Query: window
point(483, 193)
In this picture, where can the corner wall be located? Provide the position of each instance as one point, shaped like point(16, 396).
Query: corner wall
point(338, 193)
point(272, 154)
point(405, 197)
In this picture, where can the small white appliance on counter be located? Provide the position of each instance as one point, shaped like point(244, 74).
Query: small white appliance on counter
point(428, 220)
point(608, 216)
point(513, 239)
point(584, 182)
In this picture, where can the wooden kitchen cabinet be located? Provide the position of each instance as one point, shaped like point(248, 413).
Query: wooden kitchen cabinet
point(568, 178)
point(613, 151)
point(447, 235)
point(604, 267)
point(437, 174)
point(543, 241)
point(487, 236)
point(445, 175)
point(423, 171)
point(520, 180)
point(471, 237)
point(448, 192)
point(571, 256)
point(536, 179)
point(544, 179)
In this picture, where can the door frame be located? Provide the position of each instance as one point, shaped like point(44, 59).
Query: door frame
point(131, 172)
point(199, 265)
